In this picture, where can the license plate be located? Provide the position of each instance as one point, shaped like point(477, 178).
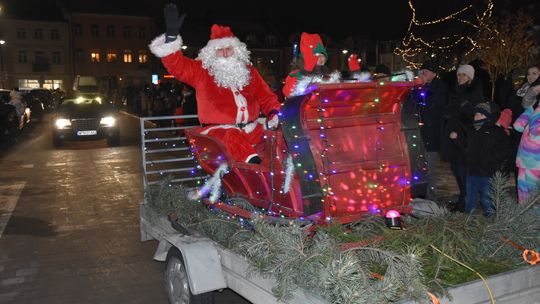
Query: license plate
point(87, 132)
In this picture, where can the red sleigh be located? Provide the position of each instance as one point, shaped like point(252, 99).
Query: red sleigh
point(355, 147)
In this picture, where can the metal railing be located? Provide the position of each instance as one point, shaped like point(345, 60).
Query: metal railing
point(165, 151)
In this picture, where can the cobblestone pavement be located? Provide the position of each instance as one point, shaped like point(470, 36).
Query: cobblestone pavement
point(446, 188)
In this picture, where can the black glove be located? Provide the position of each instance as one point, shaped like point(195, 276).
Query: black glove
point(173, 22)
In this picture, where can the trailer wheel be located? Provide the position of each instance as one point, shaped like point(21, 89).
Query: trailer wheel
point(177, 282)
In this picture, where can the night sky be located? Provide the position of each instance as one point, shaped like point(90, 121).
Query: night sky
point(377, 19)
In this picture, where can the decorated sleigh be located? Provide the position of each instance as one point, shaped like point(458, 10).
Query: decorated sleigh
point(342, 151)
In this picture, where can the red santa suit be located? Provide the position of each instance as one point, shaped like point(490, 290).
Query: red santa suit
point(228, 102)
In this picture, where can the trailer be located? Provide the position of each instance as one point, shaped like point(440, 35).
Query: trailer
point(195, 265)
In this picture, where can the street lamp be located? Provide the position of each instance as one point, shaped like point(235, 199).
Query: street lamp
point(3, 72)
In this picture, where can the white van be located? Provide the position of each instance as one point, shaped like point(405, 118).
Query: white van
point(85, 84)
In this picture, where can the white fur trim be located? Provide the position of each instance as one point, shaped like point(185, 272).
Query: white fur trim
point(403, 75)
point(303, 86)
point(251, 156)
point(161, 49)
point(213, 185)
point(289, 171)
point(241, 102)
point(362, 76)
point(250, 127)
point(274, 122)
point(223, 42)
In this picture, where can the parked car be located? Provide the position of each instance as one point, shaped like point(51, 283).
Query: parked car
point(85, 117)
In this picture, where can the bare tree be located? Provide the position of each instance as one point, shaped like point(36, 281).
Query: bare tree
point(505, 44)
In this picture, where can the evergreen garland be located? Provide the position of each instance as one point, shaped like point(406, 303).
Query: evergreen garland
point(388, 266)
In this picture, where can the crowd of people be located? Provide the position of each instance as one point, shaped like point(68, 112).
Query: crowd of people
point(479, 137)
point(458, 122)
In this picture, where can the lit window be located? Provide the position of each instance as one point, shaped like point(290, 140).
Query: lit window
point(52, 84)
point(143, 57)
point(94, 56)
point(128, 57)
point(111, 57)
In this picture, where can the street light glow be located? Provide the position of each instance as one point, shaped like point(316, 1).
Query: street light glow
point(2, 42)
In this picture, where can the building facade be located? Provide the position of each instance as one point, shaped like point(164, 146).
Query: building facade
point(34, 54)
point(113, 48)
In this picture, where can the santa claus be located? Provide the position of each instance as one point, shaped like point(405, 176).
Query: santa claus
point(230, 92)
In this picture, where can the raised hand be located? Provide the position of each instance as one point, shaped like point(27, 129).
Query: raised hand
point(173, 21)
point(354, 63)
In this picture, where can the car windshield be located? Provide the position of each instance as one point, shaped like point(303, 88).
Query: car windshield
point(81, 101)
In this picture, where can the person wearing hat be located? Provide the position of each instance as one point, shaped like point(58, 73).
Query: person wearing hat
point(230, 92)
point(312, 67)
point(432, 99)
point(487, 148)
point(458, 115)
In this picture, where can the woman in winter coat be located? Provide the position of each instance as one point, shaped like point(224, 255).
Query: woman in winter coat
point(528, 154)
point(458, 115)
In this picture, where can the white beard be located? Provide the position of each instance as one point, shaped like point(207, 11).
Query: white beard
point(231, 72)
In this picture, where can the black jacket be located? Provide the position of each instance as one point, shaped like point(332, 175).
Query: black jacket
point(431, 108)
point(458, 115)
point(487, 151)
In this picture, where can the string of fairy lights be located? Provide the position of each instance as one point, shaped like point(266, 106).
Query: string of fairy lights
point(374, 189)
point(418, 44)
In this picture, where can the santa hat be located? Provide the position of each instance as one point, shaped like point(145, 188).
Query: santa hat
point(467, 70)
point(311, 44)
point(222, 36)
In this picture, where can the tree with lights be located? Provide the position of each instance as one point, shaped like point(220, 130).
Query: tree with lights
point(447, 39)
point(505, 45)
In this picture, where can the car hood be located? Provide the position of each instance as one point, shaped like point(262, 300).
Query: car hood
point(85, 111)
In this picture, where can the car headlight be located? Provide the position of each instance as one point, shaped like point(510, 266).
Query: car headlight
point(108, 121)
point(61, 123)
